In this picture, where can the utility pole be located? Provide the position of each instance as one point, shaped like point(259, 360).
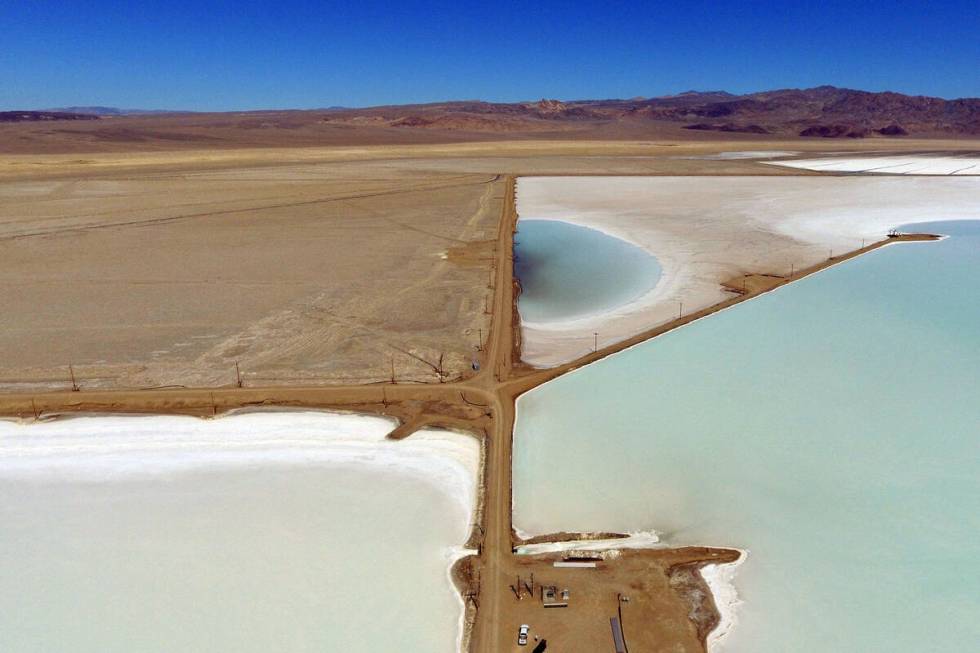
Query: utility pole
point(71, 372)
point(238, 375)
point(440, 371)
point(680, 309)
point(483, 536)
point(37, 415)
point(595, 341)
point(620, 600)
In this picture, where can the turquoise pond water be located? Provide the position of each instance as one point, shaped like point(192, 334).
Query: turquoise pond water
point(558, 283)
point(831, 428)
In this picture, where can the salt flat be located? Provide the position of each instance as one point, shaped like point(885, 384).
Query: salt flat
point(966, 164)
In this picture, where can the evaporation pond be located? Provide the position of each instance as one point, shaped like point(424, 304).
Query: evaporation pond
point(830, 428)
point(275, 551)
point(568, 272)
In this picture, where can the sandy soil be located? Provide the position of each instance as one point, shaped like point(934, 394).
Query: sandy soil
point(694, 154)
point(668, 607)
point(306, 274)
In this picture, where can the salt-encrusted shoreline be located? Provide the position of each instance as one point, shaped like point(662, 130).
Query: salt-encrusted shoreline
point(577, 333)
point(741, 154)
point(720, 579)
point(110, 447)
point(889, 165)
point(638, 540)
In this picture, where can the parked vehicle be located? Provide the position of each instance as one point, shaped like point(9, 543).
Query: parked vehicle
point(522, 635)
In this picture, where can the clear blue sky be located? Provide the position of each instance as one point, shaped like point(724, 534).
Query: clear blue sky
point(303, 54)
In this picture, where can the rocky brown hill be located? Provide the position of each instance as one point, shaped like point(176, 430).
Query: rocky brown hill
point(825, 111)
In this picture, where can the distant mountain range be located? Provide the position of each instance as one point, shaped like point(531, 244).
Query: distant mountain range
point(824, 111)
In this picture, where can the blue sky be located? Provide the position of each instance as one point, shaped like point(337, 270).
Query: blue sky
point(299, 54)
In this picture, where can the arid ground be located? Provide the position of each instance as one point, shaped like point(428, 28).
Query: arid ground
point(310, 274)
point(314, 269)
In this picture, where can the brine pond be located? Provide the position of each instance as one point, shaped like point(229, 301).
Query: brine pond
point(830, 428)
point(568, 272)
point(294, 532)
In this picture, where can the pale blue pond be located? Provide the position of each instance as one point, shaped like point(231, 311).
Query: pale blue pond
point(832, 428)
point(559, 283)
